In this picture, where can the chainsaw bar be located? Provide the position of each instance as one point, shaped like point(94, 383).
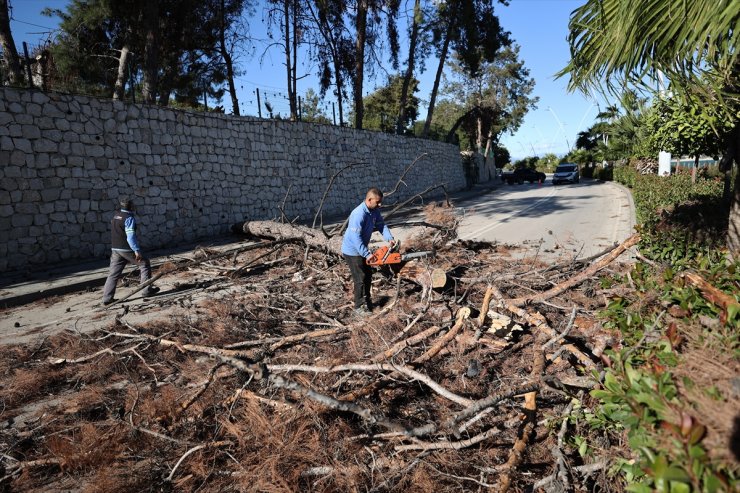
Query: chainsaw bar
point(409, 256)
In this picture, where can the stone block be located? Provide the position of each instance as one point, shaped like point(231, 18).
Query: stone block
point(45, 145)
point(39, 98)
point(52, 111)
point(12, 96)
point(33, 109)
point(40, 219)
point(62, 124)
point(94, 151)
point(31, 132)
point(71, 137)
point(31, 196)
point(21, 221)
point(78, 149)
point(23, 144)
point(6, 143)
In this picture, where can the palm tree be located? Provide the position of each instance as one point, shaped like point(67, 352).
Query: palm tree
point(695, 44)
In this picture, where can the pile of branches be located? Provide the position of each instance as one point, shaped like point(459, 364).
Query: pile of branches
point(279, 386)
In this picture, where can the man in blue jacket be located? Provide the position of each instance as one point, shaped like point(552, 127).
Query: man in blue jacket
point(125, 250)
point(363, 220)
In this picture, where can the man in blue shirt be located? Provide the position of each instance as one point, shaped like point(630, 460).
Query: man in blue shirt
point(125, 250)
point(363, 220)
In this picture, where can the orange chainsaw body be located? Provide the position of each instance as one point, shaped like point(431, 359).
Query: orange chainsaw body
point(384, 256)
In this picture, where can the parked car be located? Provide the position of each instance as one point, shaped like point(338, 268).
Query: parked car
point(520, 175)
point(566, 172)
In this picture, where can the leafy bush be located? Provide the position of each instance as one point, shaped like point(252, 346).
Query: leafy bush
point(650, 396)
point(587, 171)
point(626, 175)
point(603, 174)
point(650, 393)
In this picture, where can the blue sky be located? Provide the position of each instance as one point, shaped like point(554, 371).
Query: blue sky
point(540, 27)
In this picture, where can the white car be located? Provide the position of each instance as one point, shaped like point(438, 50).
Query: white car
point(566, 172)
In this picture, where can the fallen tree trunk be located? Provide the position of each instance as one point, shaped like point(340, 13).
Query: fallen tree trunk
point(414, 271)
point(285, 231)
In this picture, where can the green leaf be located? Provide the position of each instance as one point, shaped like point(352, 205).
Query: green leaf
point(674, 473)
point(679, 487)
point(732, 310)
point(638, 488)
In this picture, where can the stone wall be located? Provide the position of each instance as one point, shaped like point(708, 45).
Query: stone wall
point(64, 161)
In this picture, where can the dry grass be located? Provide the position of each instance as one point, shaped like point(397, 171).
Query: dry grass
point(714, 397)
point(118, 423)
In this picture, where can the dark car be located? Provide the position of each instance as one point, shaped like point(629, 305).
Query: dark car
point(520, 175)
point(566, 172)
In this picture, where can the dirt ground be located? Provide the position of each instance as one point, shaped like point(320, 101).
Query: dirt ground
point(251, 372)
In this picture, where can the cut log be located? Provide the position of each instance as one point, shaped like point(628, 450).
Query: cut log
point(414, 270)
point(286, 231)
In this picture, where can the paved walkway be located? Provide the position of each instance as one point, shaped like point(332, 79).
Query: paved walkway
point(20, 288)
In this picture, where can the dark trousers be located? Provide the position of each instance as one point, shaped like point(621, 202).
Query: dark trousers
point(118, 261)
point(362, 276)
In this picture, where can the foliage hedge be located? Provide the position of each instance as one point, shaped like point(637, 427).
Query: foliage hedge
point(603, 174)
point(667, 414)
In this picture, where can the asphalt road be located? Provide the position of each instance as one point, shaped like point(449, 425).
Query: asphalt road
point(551, 221)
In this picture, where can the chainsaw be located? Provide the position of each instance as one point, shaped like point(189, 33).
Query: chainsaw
point(387, 255)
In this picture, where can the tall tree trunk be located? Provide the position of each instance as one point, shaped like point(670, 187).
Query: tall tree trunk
point(119, 89)
point(458, 122)
point(151, 52)
point(361, 27)
point(410, 68)
point(164, 87)
point(11, 62)
point(326, 32)
point(438, 76)
point(288, 58)
point(294, 102)
point(340, 87)
point(733, 226)
point(489, 142)
point(228, 61)
point(730, 164)
point(479, 134)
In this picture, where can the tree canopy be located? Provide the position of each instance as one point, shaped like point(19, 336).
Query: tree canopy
point(614, 43)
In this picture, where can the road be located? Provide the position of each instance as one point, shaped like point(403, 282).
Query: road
point(551, 221)
point(534, 220)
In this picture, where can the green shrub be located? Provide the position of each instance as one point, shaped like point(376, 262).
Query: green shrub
point(626, 175)
point(603, 174)
point(645, 396)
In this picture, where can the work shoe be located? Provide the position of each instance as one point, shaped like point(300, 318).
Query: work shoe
point(108, 302)
point(362, 311)
point(151, 291)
